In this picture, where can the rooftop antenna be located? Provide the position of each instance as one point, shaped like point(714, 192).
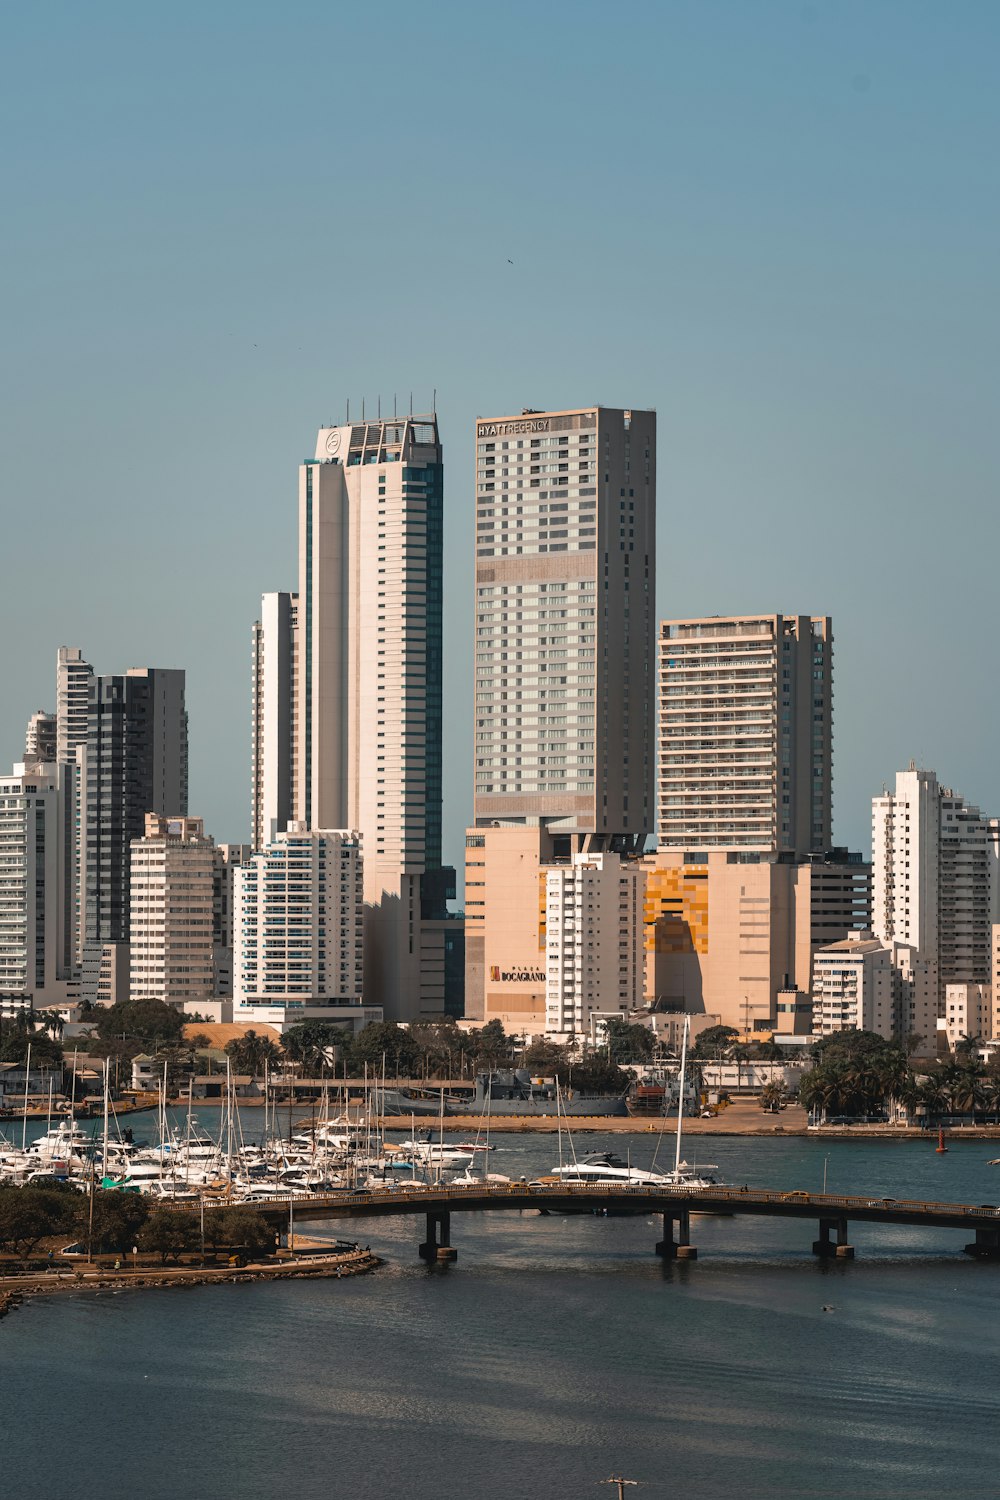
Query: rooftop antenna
point(348, 411)
point(362, 408)
point(434, 402)
point(394, 406)
point(411, 403)
point(380, 408)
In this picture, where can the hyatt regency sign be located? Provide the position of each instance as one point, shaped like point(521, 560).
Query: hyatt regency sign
point(504, 429)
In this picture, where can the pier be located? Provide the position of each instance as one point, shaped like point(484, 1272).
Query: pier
point(831, 1213)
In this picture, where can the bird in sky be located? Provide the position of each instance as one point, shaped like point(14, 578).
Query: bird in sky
point(509, 261)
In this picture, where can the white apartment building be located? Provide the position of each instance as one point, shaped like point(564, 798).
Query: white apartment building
point(33, 908)
point(594, 957)
point(746, 732)
point(228, 859)
point(274, 676)
point(969, 1013)
point(171, 912)
point(854, 985)
point(40, 738)
point(300, 939)
point(565, 626)
point(936, 876)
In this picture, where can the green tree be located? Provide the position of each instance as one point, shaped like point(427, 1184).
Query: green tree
point(772, 1095)
point(441, 1045)
point(170, 1231)
point(238, 1229)
point(546, 1058)
point(251, 1053)
point(385, 1039)
point(629, 1042)
point(16, 1036)
point(597, 1075)
point(312, 1044)
point(145, 1020)
point(714, 1041)
point(491, 1046)
point(30, 1214)
point(118, 1218)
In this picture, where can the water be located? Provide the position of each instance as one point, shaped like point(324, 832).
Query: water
point(557, 1351)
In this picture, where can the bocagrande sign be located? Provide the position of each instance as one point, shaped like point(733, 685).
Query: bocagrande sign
point(516, 976)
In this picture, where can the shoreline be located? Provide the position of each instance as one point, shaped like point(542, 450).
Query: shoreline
point(15, 1290)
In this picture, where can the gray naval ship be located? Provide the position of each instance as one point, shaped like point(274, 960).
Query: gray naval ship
point(505, 1093)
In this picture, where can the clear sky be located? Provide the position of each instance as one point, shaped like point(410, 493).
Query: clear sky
point(775, 222)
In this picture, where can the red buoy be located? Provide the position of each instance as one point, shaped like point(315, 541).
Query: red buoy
point(941, 1147)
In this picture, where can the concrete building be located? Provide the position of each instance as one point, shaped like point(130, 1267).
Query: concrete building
point(136, 762)
point(746, 733)
point(40, 738)
point(729, 933)
point(565, 644)
point(936, 886)
point(228, 859)
point(593, 942)
point(74, 678)
point(854, 985)
point(505, 924)
point(274, 758)
point(33, 909)
point(970, 1014)
point(301, 930)
point(171, 892)
point(368, 704)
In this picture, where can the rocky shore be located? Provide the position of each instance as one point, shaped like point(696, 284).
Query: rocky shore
point(311, 1266)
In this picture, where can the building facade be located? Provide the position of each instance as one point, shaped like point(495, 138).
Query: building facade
point(855, 985)
point(300, 935)
point(593, 942)
point(274, 683)
point(746, 733)
point(171, 891)
point(136, 762)
point(565, 628)
point(369, 691)
point(936, 887)
point(33, 910)
point(40, 738)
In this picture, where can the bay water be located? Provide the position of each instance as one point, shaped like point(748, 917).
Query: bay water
point(557, 1351)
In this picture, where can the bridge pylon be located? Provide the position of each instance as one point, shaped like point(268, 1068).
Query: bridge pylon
point(437, 1247)
point(680, 1248)
point(825, 1246)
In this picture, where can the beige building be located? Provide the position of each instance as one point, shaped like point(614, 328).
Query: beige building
point(854, 985)
point(505, 924)
point(171, 912)
point(746, 730)
point(728, 934)
point(35, 942)
point(369, 690)
point(970, 1013)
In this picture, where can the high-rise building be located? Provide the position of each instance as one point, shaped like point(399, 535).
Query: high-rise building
point(273, 717)
point(40, 738)
point(565, 643)
point(594, 961)
point(33, 910)
point(936, 876)
point(171, 911)
point(228, 859)
point(369, 684)
point(136, 762)
point(74, 677)
point(746, 716)
point(300, 921)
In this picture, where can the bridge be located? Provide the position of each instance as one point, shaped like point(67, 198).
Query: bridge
point(831, 1212)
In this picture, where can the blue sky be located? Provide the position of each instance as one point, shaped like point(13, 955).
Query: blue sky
point(776, 223)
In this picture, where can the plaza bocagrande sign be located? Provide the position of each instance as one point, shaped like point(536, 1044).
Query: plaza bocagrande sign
point(515, 976)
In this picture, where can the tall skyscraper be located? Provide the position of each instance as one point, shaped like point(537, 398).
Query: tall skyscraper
point(369, 680)
point(746, 733)
point(273, 716)
point(74, 677)
point(33, 911)
point(565, 645)
point(936, 876)
point(136, 762)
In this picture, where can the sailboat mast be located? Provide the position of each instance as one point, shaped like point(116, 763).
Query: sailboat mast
point(24, 1122)
point(680, 1096)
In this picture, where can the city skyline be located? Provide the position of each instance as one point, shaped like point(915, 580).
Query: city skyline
point(805, 300)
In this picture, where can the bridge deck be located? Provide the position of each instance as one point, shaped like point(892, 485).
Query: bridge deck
point(488, 1197)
